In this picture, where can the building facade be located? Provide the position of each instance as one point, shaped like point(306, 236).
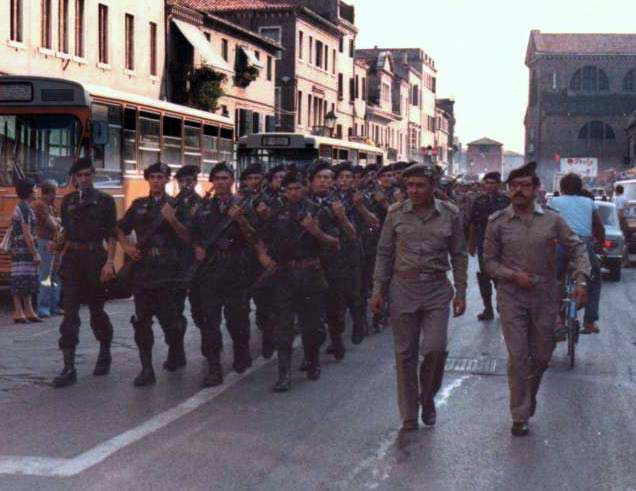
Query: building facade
point(247, 59)
point(118, 44)
point(482, 156)
point(582, 88)
point(446, 113)
point(511, 160)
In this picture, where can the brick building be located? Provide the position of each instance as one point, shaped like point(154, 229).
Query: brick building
point(582, 88)
point(484, 155)
point(118, 44)
point(247, 59)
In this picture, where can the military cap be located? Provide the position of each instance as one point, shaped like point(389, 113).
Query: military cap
point(420, 170)
point(190, 170)
point(400, 166)
point(80, 164)
point(369, 168)
point(384, 169)
point(292, 177)
point(319, 166)
point(274, 170)
point(358, 169)
point(342, 167)
point(527, 170)
point(493, 176)
point(221, 167)
point(157, 168)
point(250, 170)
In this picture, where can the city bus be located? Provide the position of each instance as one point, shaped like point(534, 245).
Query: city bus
point(270, 149)
point(46, 123)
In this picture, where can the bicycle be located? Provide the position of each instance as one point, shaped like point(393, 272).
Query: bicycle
point(570, 315)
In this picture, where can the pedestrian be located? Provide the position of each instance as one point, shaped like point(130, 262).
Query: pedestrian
point(222, 237)
point(520, 254)
point(620, 201)
point(418, 237)
point(48, 229)
point(89, 218)
point(293, 241)
point(25, 258)
point(485, 205)
point(187, 203)
point(157, 274)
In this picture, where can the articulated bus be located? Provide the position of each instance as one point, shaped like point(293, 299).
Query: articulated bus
point(270, 149)
point(46, 123)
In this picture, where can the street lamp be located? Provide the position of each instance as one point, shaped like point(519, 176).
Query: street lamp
point(330, 121)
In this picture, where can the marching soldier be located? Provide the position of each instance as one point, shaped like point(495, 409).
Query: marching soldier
point(157, 273)
point(485, 205)
point(519, 252)
point(294, 240)
point(88, 218)
point(222, 235)
point(418, 237)
point(187, 203)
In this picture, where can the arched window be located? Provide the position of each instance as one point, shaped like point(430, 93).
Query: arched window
point(589, 79)
point(629, 82)
point(596, 130)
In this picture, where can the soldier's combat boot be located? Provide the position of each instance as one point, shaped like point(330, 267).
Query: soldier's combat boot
point(176, 357)
point(283, 384)
point(485, 288)
point(267, 345)
point(102, 366)
point(147, 374)
point(242, 358)
point(338, 347)
point(357, 335)
point(313, 368)
point(215, 372)
point(68, 376)
point(431, 375)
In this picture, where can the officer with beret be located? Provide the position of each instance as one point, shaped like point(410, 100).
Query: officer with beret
point(158, 274)
point(485, 205)
point(223, 276)
point(187, 202)
point(419, 236)
point(88, 217)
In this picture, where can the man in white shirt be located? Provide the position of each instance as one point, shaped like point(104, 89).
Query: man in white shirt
point(620, 201)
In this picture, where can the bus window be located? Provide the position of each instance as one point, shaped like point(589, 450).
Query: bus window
point(130, 139)
point(325, 151)
point(354, 157)
point(334, 155)
point(192, 133)
point(108, 158)
point(172, 131)
point(210, 147)
point(148, 138)
point(343, 154)
point(363, 159)
point(226, 145)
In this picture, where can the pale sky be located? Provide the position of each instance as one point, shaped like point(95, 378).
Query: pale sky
point(479, 49)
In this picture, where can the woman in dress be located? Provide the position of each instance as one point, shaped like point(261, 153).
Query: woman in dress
point(24, 255)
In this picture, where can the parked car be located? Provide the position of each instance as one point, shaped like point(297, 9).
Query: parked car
point(613, 251)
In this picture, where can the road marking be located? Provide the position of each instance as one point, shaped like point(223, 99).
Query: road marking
point(53, 467)
point(377, 464)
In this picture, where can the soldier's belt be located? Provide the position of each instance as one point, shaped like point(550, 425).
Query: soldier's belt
point(304, 263)
point(85, 246)
point(415, 274)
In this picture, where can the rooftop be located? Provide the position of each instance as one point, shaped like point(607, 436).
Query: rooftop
point(485, 141)
point(583, 43)
point(227, 5)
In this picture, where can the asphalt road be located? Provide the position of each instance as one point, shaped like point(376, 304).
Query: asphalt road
point(340, 432)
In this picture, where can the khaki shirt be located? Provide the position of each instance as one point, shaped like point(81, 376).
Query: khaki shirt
point(514, 243)
point(414, 242)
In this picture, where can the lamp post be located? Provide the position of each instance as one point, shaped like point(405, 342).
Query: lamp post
point(330, 121)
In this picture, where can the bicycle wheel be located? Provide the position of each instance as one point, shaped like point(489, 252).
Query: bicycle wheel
point(571, 325)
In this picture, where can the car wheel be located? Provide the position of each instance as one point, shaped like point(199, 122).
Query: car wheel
point(615, 273)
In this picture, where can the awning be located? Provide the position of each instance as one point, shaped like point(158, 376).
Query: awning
point(203, 46)
point(251, 59)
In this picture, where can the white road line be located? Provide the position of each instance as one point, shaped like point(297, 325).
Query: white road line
point(53, 467)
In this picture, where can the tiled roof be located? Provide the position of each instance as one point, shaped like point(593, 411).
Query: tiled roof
point(230, 5)
point(485, 141)
point(584, 43)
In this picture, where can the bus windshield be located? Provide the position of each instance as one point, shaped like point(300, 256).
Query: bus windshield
point(270, 157)
point(42, 145)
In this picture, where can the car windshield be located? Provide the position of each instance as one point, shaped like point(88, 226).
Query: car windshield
point(41, 146)
point(608, 215)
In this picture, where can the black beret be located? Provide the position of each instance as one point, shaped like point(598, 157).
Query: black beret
point(221, 167)
point(384, 169)
point(250, 170)
point(292, 177)
point(400, 166)
point(275, 170)
point(420, 170)
point(190, 170)
point(79, 164)
point(319, 166)
point(358, 169)
point(369, 168)
point(342, 167)
point(157, 168)
point(527, 170)
point(493, 176)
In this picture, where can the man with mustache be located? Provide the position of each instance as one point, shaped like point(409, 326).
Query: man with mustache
point(520, 253)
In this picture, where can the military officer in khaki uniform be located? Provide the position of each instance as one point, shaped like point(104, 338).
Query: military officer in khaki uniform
point(418, 237)
point(519, 252)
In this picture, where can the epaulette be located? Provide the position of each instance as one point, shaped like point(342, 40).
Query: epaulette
point(450, 206)
point(496, 215)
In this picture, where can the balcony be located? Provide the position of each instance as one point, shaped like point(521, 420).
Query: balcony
point(347, 12)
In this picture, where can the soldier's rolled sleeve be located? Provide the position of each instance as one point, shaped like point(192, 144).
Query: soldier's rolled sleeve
point(126, 223)
point(459, 257)
point(492, 254)
point(384, 257)
point(576, 249)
